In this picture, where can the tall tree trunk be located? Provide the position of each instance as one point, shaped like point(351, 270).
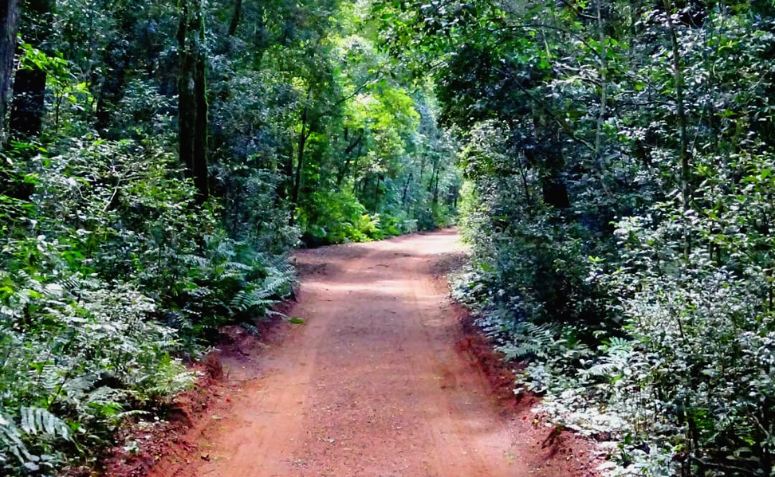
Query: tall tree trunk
point(116, 62)
point(303, 136)
point(347, 154)
point(9, 24)
point(406, 189)
point(200, 169)
point(554, 190)
point(436, 190)
point(355, 166)
point(300, 158)
point(29, 103)
point(678, 84)
point(433, 175)
point(286, 186)
point(376, 193)
point(186, 96)
point(603, 72)
point(235, 18)
point(192, 99)
point(29, 89)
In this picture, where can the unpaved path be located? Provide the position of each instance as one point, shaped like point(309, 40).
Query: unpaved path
point(370, 385)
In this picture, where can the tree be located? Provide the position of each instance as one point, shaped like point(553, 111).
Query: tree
point(29, 90)
point(192, 90)
point(9, 23)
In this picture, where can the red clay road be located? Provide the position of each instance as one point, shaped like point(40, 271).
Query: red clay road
point(370, 385)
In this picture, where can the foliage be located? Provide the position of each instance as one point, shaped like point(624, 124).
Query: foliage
point(109, 272)
point(618, 159)
point(163, 158)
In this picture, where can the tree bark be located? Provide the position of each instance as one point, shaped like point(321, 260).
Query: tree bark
point(186, 96)
point(436, 190)
point(200, 169)
point(192, 100)
point(235, 18)
point(112, 90)
point(678, 83)
point(406, 189)
point(9, 24)
point(29, 103)
point(300, 157)
point(29, 89)
point(303, 136)
point(345, 168)
point(599, 161)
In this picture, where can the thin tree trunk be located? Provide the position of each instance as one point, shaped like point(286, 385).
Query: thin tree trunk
point(355, 165)
point(345, 168)
point(186, 93)
point(553, 186)
point(406, 189)
point(9, 24)
point(300, 156)
point(525, 185)
point(433, 175)
point(436, 190)
point(678, 83)
point(603, 95)
point(286, 186)
point(200, 169)
point(235, 18)
point(300, 159)
point(376, 193)
point(201, 176)
point(116, 62)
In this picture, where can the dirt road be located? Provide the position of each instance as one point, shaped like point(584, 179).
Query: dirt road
point(370, 385)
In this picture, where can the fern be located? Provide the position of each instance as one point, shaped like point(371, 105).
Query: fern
point(195, 260)
point(244, 302)
point(529, 340)
point(236, 267)
point(11, 443)
point(250, 329)
point(35, 420)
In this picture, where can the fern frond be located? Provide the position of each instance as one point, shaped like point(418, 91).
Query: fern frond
point(195, 260)
point(243, 301)
point(35, 420)
point(201, 293)
point(250, 329)
point(11, 441)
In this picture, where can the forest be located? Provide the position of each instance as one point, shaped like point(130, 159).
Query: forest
point(610, 162)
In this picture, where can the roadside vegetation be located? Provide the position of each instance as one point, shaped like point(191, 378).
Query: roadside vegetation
point(619, 164)
point(159, 160)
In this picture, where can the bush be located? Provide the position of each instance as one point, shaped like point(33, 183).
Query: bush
point(110, 269)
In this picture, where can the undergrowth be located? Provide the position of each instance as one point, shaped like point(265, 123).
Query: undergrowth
point(111, 273)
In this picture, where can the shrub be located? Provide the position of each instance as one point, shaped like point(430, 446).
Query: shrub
point(110, 270)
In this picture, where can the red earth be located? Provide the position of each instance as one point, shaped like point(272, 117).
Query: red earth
point(385, 377)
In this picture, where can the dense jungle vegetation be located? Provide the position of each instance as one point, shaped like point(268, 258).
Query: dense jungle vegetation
point(619, 163)
point(614, 161)
point(159, 160)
